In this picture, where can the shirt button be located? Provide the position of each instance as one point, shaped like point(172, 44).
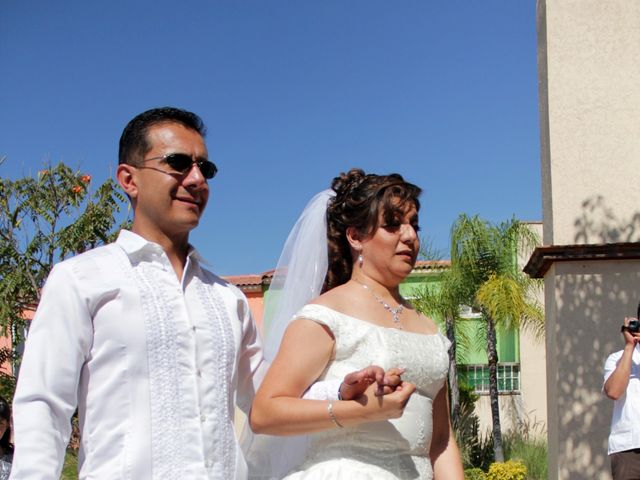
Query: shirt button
point(203, 418)
point(193, 328)
point(208, 464)
point(198, 373)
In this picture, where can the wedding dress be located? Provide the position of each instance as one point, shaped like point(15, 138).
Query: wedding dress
point(392, 449)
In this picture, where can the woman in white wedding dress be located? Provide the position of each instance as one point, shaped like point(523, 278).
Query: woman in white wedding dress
point(361, 319)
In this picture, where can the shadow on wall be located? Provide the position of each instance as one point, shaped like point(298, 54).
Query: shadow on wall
point(599, 224)
point(592, 299)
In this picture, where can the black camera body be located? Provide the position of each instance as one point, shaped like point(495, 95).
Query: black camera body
point(633, 327)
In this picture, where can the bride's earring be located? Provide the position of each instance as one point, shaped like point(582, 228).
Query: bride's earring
point(360, 260)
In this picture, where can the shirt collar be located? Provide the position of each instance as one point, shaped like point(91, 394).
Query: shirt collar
point(134, 246)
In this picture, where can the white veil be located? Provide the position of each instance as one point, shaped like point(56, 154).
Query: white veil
point(300, 272)
point(298, 278)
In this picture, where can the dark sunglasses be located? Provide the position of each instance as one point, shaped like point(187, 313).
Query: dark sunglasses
point(182, 163)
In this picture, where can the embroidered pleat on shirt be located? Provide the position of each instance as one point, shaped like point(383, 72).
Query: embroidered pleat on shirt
point(166, 432)
point(225, 450)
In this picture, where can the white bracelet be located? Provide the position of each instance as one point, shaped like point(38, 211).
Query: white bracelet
point(331, 415)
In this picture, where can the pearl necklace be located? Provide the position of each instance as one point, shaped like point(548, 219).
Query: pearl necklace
point(395, 312)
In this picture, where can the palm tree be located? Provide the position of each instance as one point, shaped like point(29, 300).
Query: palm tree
point(442, 300)
point(484, 259)
point(439, 301)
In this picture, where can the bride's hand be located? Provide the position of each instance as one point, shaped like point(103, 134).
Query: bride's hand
point(387, 406)
point(356, 383)
point(391, 381)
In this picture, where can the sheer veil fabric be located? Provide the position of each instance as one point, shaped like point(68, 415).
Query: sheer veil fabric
point(300, 272)
point(298, 278)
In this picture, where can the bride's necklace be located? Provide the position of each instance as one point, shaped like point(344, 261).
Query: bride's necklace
point(395, 312)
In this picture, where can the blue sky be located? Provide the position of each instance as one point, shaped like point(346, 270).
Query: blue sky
point(293, 93)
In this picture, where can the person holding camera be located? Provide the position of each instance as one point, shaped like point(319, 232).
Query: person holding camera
point(622, 384)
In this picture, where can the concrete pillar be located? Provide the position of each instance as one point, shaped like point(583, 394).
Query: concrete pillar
point(589, 72)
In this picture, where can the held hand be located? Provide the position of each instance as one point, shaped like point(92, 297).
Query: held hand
point(356, 383)
point(392, 380)
point(387, 406)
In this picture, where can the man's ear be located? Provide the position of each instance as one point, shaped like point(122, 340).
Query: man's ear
point(354, 238)
point(127, 179)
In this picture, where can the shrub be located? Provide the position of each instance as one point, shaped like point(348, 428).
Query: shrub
point(509, 470)
point(474, 474)
point(528, 445)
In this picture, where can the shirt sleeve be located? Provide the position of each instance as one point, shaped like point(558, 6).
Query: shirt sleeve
point(252, 366)
point(610, 365)
point(57, 346)
point(325, 390)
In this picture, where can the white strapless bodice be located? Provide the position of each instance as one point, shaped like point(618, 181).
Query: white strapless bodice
point(392, 449)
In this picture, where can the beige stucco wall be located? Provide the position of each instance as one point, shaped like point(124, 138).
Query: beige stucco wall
point(590, 153)
point(586, 304)
point(590, 119)
point(533, 381)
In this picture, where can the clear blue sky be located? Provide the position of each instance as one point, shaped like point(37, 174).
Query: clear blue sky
point(293, 92)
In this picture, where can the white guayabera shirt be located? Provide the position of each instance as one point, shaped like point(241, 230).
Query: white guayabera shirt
point(154, 365)
point(625, 428)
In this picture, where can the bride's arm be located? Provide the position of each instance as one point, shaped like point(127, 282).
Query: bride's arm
point(444, 452)
point(278, 408)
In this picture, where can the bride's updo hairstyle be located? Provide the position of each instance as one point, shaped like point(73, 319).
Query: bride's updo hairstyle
point(358, 202)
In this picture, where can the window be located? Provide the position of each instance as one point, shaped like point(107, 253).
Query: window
point(478, 377)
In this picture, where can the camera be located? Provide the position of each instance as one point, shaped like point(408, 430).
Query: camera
point(633, 327)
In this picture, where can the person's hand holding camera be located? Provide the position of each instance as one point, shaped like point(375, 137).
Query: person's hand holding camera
point(631, 331)
point(616, 384)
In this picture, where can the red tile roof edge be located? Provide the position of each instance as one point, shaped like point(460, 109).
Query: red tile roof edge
point(253, 280)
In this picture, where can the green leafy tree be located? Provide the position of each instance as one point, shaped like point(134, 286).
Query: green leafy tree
point(44, 219)
point(442, 301)
point(484, 259)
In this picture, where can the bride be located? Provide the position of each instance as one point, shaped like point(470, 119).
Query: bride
point(365, 248)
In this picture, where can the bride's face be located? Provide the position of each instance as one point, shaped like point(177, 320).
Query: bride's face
point(393, 248)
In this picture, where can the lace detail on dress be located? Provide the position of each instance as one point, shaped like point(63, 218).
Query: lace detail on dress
point(393, 449)
point(164, 391)
point(220, 324)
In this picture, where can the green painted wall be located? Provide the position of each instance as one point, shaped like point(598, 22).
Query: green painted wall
point(508, 343)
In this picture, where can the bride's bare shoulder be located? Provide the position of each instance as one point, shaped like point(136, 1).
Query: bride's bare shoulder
point(336, 298)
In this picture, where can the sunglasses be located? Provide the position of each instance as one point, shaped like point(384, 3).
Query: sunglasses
point(183, 163)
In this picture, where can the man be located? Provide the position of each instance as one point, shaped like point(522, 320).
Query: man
point(154, 350)
point(622, 384)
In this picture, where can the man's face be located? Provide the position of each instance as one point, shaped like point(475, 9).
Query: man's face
point(167, 202)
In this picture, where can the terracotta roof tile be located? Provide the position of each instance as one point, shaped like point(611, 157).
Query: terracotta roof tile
point(431, 264)
point(253, 280)
point(242, 280)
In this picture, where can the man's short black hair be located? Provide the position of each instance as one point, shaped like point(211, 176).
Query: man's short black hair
point(133, 142)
